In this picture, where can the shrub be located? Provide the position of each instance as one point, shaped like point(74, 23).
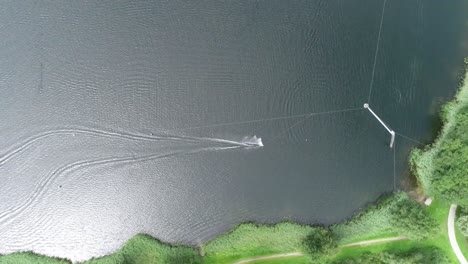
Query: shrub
point(450, 176)
point(395, 214)
point(440, 168)
point(320, 243)
point(415, 256)
point(462, 223)
point(145, 249)
point(411, 220)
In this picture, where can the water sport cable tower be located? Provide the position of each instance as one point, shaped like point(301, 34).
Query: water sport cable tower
point(392, 133)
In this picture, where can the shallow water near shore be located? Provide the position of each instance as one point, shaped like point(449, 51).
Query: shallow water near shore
point(110, 114)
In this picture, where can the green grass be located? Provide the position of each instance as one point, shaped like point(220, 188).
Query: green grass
point(397, 246)
point(289, 260)
point(372, 223)
point(439, 210)
point(29, 258)
point(462, 242)
point(250, 240)
point(373, 237)
point(461, 239)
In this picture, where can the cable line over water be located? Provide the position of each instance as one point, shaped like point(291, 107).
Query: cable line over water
point(376, 52)
point(269, 119)
point(410, 139)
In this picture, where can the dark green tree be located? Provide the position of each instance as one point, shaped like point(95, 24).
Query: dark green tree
point(320, 243)
point(411, 220)
point(415, 256)
point(462, 223)
point(450, 176)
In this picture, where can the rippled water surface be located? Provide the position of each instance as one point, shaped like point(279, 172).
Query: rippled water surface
point(111, 109)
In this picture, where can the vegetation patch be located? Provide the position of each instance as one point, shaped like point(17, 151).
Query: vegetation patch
point(320, 242)
point(409, 218)
point(371, 223)
point(394, 215)
point(413, 256)
point(251, 240)
point(145, 249)
point(29, 258)
point(462, 223)
point(441, 167)
point(289, 260)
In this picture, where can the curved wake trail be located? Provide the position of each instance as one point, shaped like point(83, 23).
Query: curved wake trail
point(108, 134)
point(7, 215)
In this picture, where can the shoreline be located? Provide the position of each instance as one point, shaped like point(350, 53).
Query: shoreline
point(248, 240)
point(420, 158)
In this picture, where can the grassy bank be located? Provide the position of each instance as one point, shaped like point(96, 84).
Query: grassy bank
point(438, 240)
point(140, 249)
point(371, 223)
point(145, 249)
point(30, 258)
point(250, 240)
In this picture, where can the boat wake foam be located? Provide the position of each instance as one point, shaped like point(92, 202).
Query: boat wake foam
point(253, 141)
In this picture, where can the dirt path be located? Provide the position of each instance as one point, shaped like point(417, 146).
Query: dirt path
point(374, 241)
point(285, 255)
point(451, 234)
point(298, 254)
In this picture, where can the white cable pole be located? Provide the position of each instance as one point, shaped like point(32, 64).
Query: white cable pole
point(392, 133)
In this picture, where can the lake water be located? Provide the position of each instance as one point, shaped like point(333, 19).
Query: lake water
point(110, 113)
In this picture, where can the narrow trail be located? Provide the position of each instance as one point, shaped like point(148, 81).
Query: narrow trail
point(375, 241)
point(299, 254)
point(285, 255)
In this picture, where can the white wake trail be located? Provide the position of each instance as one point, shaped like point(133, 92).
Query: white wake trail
point(9, 215)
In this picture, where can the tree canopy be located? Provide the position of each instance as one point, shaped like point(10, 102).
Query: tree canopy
point(450, 176)
point(411, 220)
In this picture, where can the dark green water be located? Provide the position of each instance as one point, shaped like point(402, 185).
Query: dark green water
point(108, 111)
